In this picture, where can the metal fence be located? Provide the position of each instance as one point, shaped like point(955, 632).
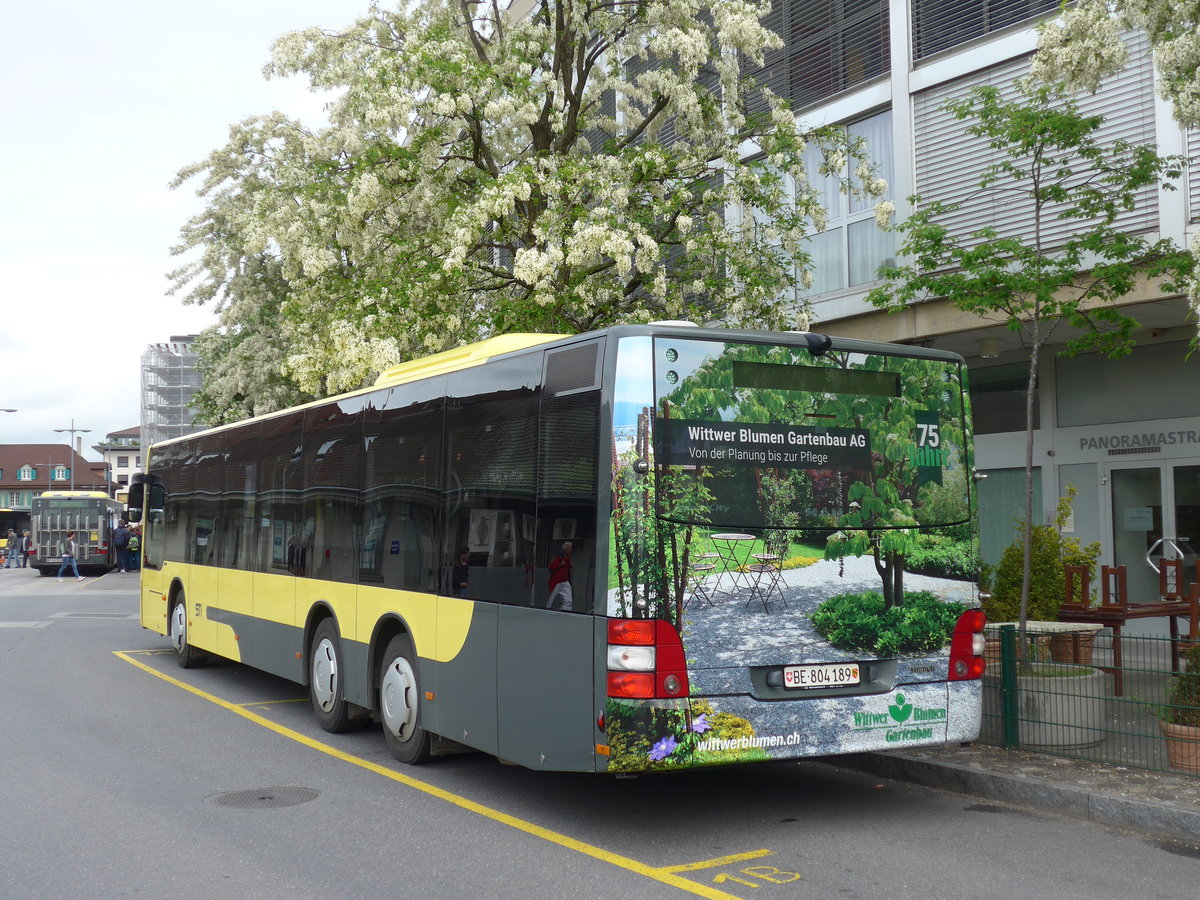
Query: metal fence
point(1067, 696)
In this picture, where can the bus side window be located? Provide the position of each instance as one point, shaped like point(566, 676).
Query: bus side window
point(566, 502)
point(491, 465)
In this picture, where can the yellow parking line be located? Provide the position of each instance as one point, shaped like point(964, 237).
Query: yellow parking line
point(665, 876)
point(719, 861)
point(273, 702)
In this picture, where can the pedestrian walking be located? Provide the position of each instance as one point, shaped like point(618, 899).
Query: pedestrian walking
point(26, 548)
point(69, 548)
point(12, 550)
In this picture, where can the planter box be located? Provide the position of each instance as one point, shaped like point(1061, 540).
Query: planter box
point(1062, 710)
point(1183, 746)
point(1063, 647)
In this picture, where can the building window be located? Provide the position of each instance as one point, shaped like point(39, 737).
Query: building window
point(852, 247)
point(122, 462)
point(941, 24)
point(60, 473)
point(138, 461)
point(998, 398)
point(829, 46)
point(27, 473)
point(122, 479)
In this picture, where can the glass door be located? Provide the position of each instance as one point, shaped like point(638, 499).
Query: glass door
point(1154, 509)
point(1137, 524)
point(1185, 483)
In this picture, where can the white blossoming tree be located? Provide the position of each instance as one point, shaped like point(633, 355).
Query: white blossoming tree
point(1083, 46)
point(577, 166)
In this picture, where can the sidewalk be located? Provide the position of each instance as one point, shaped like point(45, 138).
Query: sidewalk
point(1150, 802)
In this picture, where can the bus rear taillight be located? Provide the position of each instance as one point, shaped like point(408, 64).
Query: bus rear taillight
point(645, 660)
point(966, 646)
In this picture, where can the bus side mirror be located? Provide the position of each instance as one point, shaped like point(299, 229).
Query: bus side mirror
point(136, 502)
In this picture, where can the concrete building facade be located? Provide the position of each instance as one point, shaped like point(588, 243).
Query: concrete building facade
point(1125, 432)
point(122, 454)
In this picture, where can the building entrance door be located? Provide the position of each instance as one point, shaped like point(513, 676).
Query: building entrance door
point(1153, 509)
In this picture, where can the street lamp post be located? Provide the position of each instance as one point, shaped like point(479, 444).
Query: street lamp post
point(71, 458)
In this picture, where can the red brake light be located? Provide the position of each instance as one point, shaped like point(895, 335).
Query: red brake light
point(966, 647)
point(668, 680)
point(639, 632)
point(631, 685)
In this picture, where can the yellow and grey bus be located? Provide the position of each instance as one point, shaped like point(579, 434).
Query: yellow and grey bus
point(15, 520)
point(581, 553)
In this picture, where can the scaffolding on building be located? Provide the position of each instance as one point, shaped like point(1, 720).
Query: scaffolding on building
point(169, 382)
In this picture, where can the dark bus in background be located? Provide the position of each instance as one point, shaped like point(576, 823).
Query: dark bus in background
point(92, 515)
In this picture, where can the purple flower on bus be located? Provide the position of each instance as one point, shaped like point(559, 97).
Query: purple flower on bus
point(700, 724)
point(663, 748)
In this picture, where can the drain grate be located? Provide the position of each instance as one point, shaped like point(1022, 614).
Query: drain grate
point(265, 798)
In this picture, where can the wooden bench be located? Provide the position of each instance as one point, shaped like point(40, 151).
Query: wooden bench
point(1114, 608)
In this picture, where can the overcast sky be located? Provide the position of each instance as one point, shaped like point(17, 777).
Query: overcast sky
point(102, 104)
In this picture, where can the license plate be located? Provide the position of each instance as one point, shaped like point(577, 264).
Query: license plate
point(824, 675)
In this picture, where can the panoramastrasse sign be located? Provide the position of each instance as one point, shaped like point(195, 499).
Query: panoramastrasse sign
point(1139, 440)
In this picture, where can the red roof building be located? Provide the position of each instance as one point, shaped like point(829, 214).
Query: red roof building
point(27, 470)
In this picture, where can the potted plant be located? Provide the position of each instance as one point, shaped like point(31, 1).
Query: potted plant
point(1061, 703)
point(1179, 720)
point(1050, 554)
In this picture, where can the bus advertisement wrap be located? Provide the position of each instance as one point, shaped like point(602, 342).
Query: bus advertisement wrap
point(701, 534)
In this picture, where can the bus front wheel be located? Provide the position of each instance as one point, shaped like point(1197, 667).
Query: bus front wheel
point(186, 655)
point(326, 682)
point(399, 703)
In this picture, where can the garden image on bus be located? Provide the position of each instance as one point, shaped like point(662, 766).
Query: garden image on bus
point(644, 548)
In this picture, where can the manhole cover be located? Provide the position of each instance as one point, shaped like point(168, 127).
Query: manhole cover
point(265, 798)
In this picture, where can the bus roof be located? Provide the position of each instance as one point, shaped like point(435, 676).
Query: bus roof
point(97, 494)
point(462, 357)
point(477, 353)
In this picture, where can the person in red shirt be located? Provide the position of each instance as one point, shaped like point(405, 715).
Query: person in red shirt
point(560, 579)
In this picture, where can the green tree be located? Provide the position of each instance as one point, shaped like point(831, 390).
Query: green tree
point(1084, 45)
point(1051, 165)
point(581, 165)
point(882, 517)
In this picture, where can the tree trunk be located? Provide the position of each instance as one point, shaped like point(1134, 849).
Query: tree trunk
point(1030, 393)
point(890, 567)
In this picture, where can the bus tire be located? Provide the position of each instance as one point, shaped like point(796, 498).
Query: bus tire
point(186, 655)
point(400, 704)
point(327, 682)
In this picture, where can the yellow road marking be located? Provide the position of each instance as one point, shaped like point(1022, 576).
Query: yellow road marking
point(273, 702)
point(719, 861)
point(663, 875)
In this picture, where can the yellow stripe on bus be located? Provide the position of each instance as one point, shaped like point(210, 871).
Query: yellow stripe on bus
point(659, 874)
point(439, 625)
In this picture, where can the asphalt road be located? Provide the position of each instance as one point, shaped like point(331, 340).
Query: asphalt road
point(125, 776)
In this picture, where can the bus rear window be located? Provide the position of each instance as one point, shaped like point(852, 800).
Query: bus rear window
point(773, 436)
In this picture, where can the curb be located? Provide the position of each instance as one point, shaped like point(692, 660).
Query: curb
point(1101, 807)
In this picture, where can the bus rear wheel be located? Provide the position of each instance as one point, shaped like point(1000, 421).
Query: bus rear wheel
point(399, 703)
point(326, 682)
point(186, 655)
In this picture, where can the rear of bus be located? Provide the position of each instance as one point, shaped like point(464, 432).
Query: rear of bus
point(823, 467)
